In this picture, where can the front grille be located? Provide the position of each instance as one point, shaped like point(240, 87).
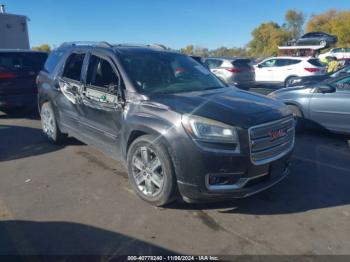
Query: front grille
point(265, 147)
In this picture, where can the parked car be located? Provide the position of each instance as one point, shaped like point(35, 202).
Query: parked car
point(324, 103)
point(339, 53)
point(18, 70)
point(186, 133)
point(315, 38)
point(281, 70)
point(197, 58)
point(308, 80)
point(233, 71)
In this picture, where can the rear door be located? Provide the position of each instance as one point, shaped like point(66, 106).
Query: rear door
point(18, 71)
point(69, 87)
point(332, 110)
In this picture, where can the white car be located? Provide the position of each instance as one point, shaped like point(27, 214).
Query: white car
point(339, 53)
point(282, 69)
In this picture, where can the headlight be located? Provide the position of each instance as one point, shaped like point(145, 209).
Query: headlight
point(208, 130)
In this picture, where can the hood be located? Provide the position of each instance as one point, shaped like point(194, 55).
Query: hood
point(228, 105)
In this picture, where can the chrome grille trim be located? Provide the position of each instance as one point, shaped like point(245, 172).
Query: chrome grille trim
point(264, 150)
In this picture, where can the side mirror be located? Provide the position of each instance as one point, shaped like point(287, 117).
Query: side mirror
point(260, 66)
point(325, 89)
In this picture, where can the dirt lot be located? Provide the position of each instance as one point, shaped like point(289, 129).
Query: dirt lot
point(72, 199)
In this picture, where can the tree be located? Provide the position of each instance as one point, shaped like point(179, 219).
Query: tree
point(188, 50)
point(43, 47)
point(332, 22)
point(266, 39)
point(294, 22)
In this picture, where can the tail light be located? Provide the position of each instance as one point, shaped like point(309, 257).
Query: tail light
point(233, 70)
point(7, 75)
point(312, 69)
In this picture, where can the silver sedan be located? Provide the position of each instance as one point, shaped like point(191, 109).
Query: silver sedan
point(325, 103)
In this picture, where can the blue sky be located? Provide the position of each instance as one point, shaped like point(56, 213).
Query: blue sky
point(175, 23)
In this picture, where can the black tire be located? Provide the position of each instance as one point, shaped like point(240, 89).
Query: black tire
point(54, 135)
point(286, 82)
point(323, 43)
point(298, 116)
point(168, 192)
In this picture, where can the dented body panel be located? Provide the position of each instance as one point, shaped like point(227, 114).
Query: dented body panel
point(111, 121)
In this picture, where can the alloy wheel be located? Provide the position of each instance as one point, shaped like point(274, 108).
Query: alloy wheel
point(147, 171)
point(48, 122)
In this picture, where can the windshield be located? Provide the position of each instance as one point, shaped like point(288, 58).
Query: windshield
point(161, 72)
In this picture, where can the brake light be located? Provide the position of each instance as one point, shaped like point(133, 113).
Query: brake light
point(7, 75)
point(312, 69)
point(233, 70)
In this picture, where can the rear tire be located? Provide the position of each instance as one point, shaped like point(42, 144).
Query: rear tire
point(151, 172)
point(298, 117)
point(49, 124)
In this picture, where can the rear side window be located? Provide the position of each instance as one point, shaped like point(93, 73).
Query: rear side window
point(18, 61)
point(72, 69)
point(241, 63)
point(53, 60)
point(293, 61)
point(315, 62)
point(101, 74)
point(213, 63)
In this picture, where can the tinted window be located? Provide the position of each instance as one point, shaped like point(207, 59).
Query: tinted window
point(269, 63)
point(337, 50)
point(213, 63)
point(53, 60)
point(293, 61)
point(347, 50)
point(315, 62)
point(162, 72)
point(343, 85)
point(72, 69)
point(100, 73)
point(241, 63)
point(22, 61)
point(308, 35)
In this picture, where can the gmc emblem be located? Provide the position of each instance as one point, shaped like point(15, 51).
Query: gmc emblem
point(275, 134)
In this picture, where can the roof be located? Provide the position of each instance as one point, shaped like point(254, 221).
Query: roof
point(227, 58)
point(291, 57)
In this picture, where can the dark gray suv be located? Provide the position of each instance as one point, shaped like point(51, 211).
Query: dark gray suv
point(177, 128)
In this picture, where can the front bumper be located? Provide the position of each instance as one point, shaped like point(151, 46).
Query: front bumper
point(251, 182)
point(214, 174)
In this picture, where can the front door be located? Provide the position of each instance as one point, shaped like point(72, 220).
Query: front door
point(332, 110)
point(264, 72)
point(101, 103)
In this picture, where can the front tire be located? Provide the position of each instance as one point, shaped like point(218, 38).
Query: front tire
point(49, 124)
point(151, 172)
point(298, 117)
point(287, 82)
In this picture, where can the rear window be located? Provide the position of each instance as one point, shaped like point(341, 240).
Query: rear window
point(241, 63)
point(315, 62)
point(213, 63)
point(17, 61)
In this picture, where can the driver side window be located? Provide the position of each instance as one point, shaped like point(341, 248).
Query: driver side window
point(269, 63)
point(343, 85)
point(100, 75)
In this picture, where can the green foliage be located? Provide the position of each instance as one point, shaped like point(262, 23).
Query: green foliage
point(266, 39)
point(43, 47)
point(333, 22)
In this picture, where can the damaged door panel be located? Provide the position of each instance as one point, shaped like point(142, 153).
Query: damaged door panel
point(102, 106)
point(70, 86)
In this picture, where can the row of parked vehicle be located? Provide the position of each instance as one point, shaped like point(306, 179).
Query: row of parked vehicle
point(180, 130)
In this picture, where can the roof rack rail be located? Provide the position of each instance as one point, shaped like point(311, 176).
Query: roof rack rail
point(159, 46)
point(87, 43)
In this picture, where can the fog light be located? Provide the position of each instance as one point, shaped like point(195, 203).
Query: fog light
point(223, 179)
